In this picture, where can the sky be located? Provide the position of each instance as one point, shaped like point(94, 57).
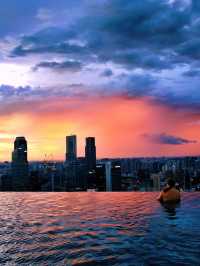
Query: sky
point(126, 72)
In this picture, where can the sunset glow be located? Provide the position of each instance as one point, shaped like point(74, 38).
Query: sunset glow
point(122, 72)
point(122, 127)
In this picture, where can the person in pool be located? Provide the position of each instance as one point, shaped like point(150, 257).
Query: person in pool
point(170, 193)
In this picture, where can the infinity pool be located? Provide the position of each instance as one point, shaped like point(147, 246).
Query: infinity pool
point(98, 229)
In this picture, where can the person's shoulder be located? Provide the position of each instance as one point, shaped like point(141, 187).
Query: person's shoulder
point(176, 190)
point(177, 193)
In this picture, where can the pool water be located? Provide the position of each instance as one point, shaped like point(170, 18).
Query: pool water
point(128, 228)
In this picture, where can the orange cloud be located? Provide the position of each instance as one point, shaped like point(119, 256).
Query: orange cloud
point(118, 124)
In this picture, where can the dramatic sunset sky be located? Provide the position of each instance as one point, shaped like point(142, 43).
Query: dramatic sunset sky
point(126, 72)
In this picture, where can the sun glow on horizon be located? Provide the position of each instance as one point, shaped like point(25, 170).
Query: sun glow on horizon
point(119, 125)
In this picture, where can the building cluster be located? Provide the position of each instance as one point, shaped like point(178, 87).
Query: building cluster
point(89, 174)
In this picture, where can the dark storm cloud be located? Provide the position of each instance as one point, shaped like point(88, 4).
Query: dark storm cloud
point(72, 66)
point(48, 35)
point(139, 58)
point(164, 138)
point(149, 35)
point(190, 48)
point(57, 48)
point(14, 14)
point(142, 21)
point(48, 40)
point(131, 86)
point(195, 6)
point(139, 84)
point(107, 73)
point(192, 73)
point(144, 34)
point(10, 93)
point(18, 17)
point(135, 34)
point(178, 94)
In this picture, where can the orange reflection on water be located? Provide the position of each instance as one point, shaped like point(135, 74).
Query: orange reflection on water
point(72, 228)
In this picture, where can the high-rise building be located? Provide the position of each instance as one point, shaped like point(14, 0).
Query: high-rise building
point(100, 177)
point(90, 154)
point(116, 176)
point(110, 171)
point(75, 175)
point(20, 171)
point(108, 176)
point(71, 148)
point(156, 181)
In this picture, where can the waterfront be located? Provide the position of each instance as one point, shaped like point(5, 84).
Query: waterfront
point(98, 229)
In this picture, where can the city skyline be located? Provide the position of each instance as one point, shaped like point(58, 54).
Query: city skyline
point(71, 147)
point(99, 132)
point(87, 173)
point(130, 78)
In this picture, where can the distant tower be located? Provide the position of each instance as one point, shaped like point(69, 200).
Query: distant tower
point(20, 172)
point(71, 148)
point(108, 176)
point(90, 153)
point(156, 181)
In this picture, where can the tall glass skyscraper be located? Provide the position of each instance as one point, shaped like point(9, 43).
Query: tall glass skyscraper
point(71, 148)
point(20, 171)
point(90, 153)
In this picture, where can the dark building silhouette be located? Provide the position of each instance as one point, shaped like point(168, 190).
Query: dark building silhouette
point(90, 154)
point(71, 148)
point(100, 177)
point(75, 175)
point(19, 166)
point(115, 183)
point(35, 184)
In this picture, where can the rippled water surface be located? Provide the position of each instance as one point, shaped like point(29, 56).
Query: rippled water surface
point(98, 229)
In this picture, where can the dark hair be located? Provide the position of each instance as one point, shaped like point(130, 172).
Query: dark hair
point(171, 184)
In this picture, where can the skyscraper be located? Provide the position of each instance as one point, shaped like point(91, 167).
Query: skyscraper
point(20, 171)
point(108, 176)
point(75, 175)
point(71, 148)
point(90, 153)
point(156, 181)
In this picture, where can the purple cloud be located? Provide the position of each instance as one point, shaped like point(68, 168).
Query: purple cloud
point(164, 138)
point(71, 66)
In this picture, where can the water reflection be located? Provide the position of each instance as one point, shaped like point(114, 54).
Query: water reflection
point(97, 229)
